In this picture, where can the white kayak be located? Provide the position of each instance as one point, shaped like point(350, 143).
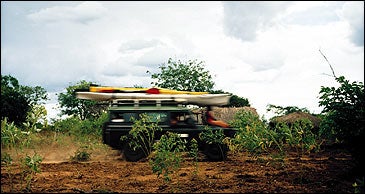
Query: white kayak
point(201, 100)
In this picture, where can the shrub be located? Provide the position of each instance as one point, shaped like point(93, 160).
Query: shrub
point(31, 166)
point(168, 155)
point(142, 135)
point(193, 152)
point(252, 133)
point(81, 129)
point(297, 135)
point(215, 143)
point(12, 136)
point(81, 154)
point(344, 109)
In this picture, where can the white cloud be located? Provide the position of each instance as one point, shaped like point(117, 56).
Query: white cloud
point(312, 12)
point(244, 20)
point(353, 13)
point(83, 13)
point(139, 44)
point(136, 57)
point(264, 51)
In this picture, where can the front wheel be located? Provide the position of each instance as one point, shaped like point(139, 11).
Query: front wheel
point(216, 152)
point(132, 155)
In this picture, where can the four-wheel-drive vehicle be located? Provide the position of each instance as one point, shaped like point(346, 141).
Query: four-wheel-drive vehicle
point(170, 116)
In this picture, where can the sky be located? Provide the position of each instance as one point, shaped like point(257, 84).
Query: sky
point(265, 51)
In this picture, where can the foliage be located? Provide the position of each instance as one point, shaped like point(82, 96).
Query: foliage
point(17, 100)
point(234, 101)
point(280, 111)
point(81, 154)
point(193, 152)
point(215, 142)
point(36, 118)
point(35, 95)
point(12, 136)
point(142, 135)
point(251, 132)
point(84, 109)
point(31, 166)
point(32, 163)
point(14, 105)
point(255, 136)
point(186, 76)
point(210, 136)
point(168, 155)
point(344, 109)
point(244, 118)
point(359, 186)
point(327, 128)
point(67, 125)
point(6, 159)
point(80, 128)
point(297, 135)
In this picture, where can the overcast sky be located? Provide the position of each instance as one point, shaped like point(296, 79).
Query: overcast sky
point(267, 52)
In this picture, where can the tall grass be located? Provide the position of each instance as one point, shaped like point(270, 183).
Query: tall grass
point(255, 136)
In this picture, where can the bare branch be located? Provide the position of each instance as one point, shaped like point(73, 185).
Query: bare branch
point(333, 72)
point(327, 74)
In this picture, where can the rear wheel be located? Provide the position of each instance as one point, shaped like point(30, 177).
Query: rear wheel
point(216, 152)
point(133, 155)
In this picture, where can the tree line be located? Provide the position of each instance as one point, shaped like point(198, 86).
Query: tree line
point(343, 107)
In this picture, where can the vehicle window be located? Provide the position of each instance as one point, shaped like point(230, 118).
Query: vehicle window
point(157, 116)
point(122, 117)
point(181, 119)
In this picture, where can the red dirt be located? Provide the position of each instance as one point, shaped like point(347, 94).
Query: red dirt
point(328, 171)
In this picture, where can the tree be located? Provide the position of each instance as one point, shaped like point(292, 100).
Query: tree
point(280, 111)
point(84, 109)
point(344, 109)
point(234, 101)
point(35, 95)
point(17, 100)
point(187, 77)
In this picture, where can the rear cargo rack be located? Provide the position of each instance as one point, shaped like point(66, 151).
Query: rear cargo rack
point(149, 102)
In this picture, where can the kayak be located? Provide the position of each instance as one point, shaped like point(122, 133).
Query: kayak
point(109, 89)
point(201, 99)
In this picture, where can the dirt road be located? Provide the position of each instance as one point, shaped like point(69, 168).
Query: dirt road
point(107, 171)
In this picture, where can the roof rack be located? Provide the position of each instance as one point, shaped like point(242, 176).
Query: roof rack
point(148, 102)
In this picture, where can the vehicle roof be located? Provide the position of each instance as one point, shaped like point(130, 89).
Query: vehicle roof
point(148, 108)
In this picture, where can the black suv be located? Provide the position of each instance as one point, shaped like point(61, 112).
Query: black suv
point(171, 116)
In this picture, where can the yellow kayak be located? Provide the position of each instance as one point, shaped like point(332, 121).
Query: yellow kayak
point(201, 100)
point(110, 89)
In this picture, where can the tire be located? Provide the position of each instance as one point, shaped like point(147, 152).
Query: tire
point(133, 155)
point(216, 152)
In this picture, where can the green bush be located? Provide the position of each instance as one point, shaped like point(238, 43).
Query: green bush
point(210, 136)
point(31, 166)
point(168, 155)
point(12, 136)
point(80, 128)
point(252, 134)
point(81, 154)
point(142, 135)
point(297, 135)
point(344, 110)
point(194, 153)
point(216, 144)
